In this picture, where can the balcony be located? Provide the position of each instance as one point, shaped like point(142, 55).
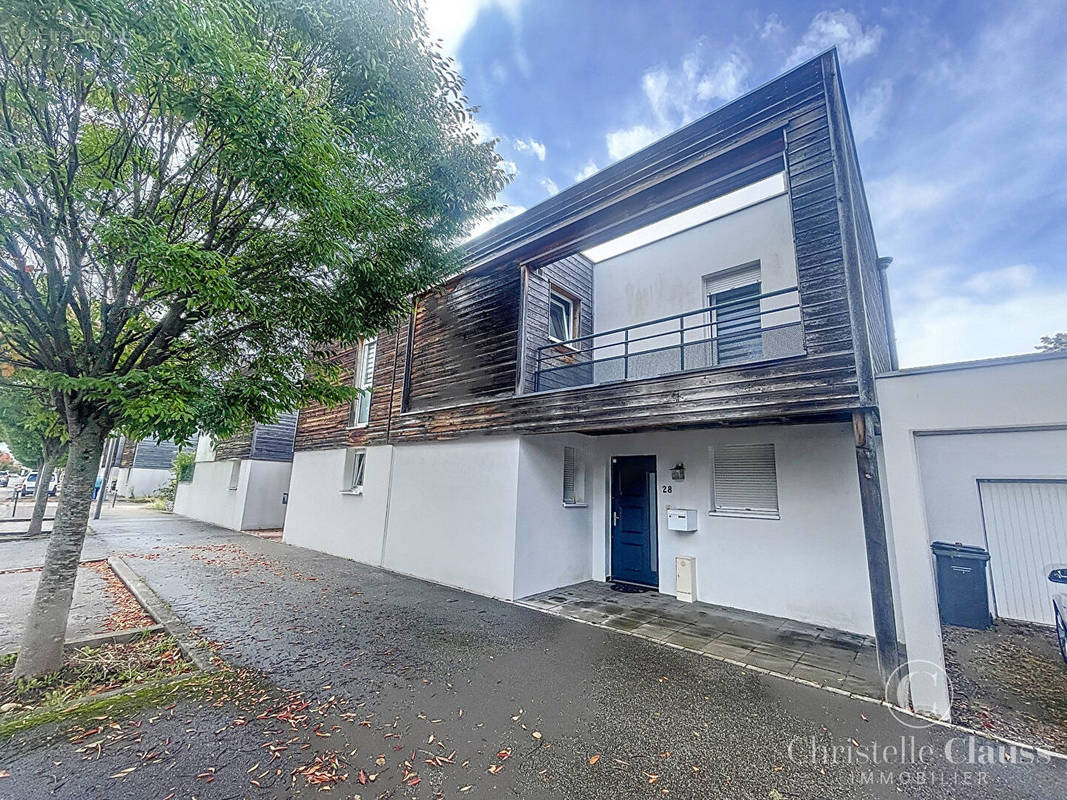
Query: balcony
point(742, 327)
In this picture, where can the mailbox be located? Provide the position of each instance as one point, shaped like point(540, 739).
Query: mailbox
point(682, 519)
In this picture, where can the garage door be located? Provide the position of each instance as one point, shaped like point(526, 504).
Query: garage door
point(1026, 531)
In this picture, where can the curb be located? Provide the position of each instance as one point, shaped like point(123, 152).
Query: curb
point(98, 639)
point(162, 613)
point(832, 689)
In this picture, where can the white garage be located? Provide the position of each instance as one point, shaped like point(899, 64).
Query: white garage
point(975, 453)
point(1026, 534)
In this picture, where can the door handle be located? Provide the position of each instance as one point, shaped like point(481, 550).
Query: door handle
point(614, 518)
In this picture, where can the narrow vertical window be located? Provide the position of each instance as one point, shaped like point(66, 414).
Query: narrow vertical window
point(363, 377)
point(235, 475)
point(573, 477)
point(560, 317)
point(355, 466)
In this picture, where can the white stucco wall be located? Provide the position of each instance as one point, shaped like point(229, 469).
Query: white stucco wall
point(552, 541)
point(207, 496)
point(667, 277)
point(256, 504)
point(322, 517)
point(452, 515)
point(941, 428)
point(808, 565)
point(268, 481)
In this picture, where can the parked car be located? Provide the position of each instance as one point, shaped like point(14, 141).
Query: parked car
point(4, 478)
point(29, 486)
point(1059, 606)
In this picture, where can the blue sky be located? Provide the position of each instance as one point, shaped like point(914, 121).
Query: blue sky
point(959, 110)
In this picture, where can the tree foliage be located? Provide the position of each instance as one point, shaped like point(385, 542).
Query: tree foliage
point(198, 196)
point(1057, 343)
point(29, 424)
point(199, 199)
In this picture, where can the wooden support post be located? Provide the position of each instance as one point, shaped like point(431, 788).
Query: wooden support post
point(874, 531)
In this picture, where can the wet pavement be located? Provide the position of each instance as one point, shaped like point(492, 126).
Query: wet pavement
point(439, 693)
point(812, 653)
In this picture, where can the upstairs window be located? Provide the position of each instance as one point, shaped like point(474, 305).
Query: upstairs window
point(573, 477)
point(744, 480)
point(561, 314)
point(734, 300)
point(363, 378)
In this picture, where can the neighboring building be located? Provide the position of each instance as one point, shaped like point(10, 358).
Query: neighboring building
point(142, 467)
point(975, 454)
point(695, 328)
point(241, 483)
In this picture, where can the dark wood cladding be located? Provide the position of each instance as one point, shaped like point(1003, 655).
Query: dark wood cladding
point(128, 453)
point(263, 442)
point(465, 340)
point(573, 277)
point(466, 364)
point(868, 290)
point(320, 427)
point(779, 390)
point(274, 442)
point(238, 446)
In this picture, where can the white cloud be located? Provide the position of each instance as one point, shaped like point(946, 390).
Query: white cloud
point(625, 141)
point(510, 167)
point(902, 197)
point(495, 218)
point(1014, 278)
point(590, 168)
point(549, 186)
point(840, 28)
point(451, 20)
point(725, 81)
point(676, 96)
point(1008, 316)
point(772, 27)
point(870, 110)
point(531, 146)
point(484, 131)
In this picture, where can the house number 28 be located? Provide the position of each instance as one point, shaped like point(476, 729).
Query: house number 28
point(667, 488)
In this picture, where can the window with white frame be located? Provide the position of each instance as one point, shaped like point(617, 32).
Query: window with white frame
point(355, 465)
point(573, 477)
point(363, 379)
point(235, 475)
point(744, 480)
point(562, 311)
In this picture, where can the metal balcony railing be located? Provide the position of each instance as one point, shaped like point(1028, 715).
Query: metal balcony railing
point(741, 330)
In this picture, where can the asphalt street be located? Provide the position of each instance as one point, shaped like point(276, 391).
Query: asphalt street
point(410, 689)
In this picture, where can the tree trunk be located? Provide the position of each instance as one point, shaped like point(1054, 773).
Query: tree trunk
point(44, 477)
point(46, 626)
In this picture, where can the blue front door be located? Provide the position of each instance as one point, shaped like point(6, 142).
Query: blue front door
point(634, 557)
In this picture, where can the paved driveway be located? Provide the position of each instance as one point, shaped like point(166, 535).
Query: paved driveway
point(508, 702)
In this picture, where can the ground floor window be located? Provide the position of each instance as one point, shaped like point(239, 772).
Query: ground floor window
point(744, 480)
point(355, 464)
point(573, 477)
point(235, 475)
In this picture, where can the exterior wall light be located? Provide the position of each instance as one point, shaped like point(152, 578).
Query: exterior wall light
point(678, 472)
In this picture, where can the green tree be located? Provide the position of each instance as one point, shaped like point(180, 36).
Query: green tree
point(1057, 343)
point(198, 199)
point(35, 433)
